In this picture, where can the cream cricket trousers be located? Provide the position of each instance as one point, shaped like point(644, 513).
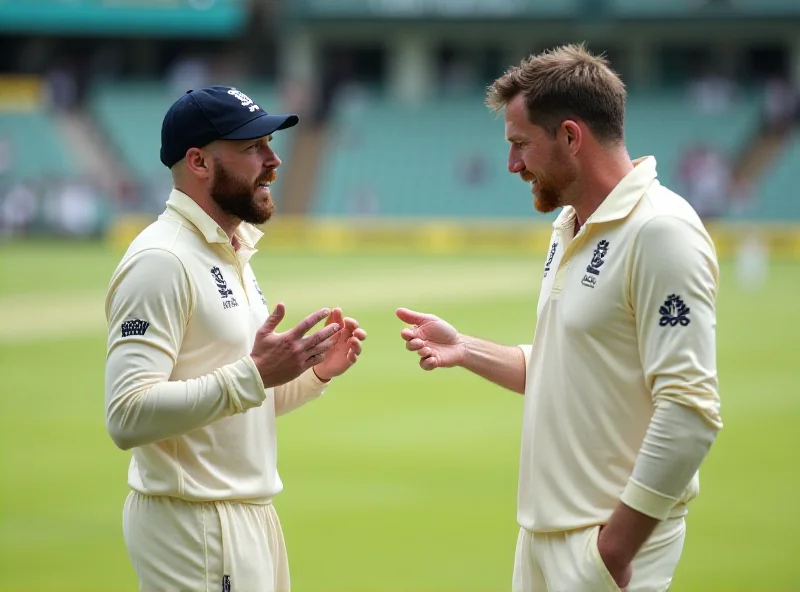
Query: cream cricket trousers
point(570, 562)
point(179, 546)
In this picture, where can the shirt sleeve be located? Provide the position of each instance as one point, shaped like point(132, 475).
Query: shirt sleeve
point(673, 288)
point(527, 351)
point(298, 392)
point(148, 305)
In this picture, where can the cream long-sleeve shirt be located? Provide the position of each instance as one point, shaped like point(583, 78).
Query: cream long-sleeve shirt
point(624, 344)
point(181, 390)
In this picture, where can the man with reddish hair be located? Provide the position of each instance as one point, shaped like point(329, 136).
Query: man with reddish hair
point(620, 382)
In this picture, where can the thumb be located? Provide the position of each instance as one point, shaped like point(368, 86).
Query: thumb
point(336, 317)
point(415, 318)
point(275, 318)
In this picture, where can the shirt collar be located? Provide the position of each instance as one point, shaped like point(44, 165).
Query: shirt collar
point(188, 209)
point(622, 198)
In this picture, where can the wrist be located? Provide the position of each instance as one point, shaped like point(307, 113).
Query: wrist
point(621, 538)
point(464, 341)
point(612, 551)
point(257, 369)
point(320, 378)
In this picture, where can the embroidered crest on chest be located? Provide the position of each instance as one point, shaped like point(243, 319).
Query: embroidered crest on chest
point(228, 301)
point(598, 259)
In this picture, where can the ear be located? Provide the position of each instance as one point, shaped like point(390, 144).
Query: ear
point(198, 163)
point(572, 136)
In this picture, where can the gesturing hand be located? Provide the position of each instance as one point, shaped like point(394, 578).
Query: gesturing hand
point(282, 357)
point(346, 349)
point(436, 341)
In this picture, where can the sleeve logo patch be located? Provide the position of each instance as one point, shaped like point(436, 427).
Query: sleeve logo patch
point(674, 312)
point(134, 327)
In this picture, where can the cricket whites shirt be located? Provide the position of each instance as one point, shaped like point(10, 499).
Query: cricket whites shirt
point(626, 318)
point(181, 390)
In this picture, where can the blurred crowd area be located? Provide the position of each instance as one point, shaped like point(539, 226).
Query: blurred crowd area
point(388, 91)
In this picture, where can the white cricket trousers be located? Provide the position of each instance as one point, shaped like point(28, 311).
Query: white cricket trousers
point(570, 562)
point(180, 546)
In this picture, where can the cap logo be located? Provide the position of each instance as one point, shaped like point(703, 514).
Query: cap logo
point(244, 99)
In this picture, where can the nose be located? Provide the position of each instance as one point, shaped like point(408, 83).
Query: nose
point(271, 160)
point(515, 164)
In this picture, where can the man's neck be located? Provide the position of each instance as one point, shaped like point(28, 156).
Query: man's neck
point(228, 223)
point(599, 180)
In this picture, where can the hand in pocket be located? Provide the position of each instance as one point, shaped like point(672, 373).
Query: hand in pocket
point(620, 573)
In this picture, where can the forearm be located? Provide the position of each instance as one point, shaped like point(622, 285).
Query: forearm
point(298, 392)
point(624, 534)
point(140, 412)
point(676, 442)
point(501, 364)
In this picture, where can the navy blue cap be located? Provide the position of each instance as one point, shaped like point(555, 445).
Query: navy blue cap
point(215, 113)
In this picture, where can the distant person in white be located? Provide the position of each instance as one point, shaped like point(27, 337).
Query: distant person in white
point(620, 382)
point(196, 371)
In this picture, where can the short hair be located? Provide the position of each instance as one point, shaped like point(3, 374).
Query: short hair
point(566, 82)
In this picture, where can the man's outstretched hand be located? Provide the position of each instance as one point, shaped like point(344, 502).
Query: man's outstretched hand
point(346, 347)
point(436, 341)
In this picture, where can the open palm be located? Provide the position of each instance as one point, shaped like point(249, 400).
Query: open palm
point(346, 349)
point(436, 341)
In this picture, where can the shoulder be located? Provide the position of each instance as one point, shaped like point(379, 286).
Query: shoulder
point(148, 272)
point(667, 237)
point(660, 201)
point(156, 259)
point(674, 253)
point(666, 219)
point(161, 243)
point(153, 260)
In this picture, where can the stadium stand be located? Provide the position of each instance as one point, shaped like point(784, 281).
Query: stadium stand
point(434, 160)
point(36, 149)
point(448, 158)
point(443, 159)
point(776, 197)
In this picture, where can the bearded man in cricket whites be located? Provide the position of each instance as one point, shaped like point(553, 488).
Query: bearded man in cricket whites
point(196, 371)
point(620, 382)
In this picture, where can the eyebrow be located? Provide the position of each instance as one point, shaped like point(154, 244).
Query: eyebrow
point(261, 140)
point(512, 139)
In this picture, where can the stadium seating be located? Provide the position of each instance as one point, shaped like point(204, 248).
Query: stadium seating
point(37, 150)
point(667, 124)
point(777, 196)
point(434, 160)
point(448, 158)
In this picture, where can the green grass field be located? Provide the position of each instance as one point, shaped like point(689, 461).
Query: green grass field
point(396, 479)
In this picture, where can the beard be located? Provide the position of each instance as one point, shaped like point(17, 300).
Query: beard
point(546, 196)
point(549, 192)
point(237, 197)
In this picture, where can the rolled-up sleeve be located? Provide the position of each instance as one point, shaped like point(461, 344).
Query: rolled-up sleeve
point(148, 306)
point(673, 289)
